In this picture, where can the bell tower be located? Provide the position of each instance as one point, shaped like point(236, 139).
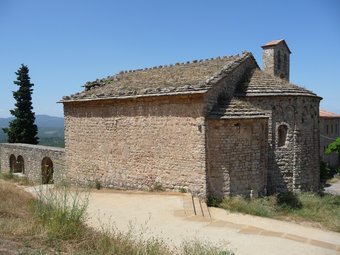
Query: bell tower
point(275, 57)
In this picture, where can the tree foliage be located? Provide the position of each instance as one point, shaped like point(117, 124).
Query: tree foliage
point(333, 147)
point(22, 129)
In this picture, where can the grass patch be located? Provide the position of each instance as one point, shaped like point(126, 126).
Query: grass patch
point(21, 180)
point(157, 187)
point(53, 223)
point(61, 211)
point(320, 210)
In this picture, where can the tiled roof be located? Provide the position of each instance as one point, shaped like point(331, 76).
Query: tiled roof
point(236, 108)
point(195, 76)
point(326, 114)
point(274, 43)
point(262, 84)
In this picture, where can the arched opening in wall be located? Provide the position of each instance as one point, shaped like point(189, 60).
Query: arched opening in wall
point(12, 163)
point(278, 60)
point(282, 135)
point(46, 171)
point(20, 166)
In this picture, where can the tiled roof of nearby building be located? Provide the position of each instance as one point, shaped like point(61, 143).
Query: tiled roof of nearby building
point(236, 108)
point(326, 114)
point(262, 84)
point(190, 77)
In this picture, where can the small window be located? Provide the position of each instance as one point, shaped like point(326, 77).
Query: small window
point(332, 129)
point(282, 135)
point(278, 60)
point(327, 129)
point(336, 128)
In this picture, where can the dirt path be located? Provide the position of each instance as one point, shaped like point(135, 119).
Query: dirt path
point(166, 216)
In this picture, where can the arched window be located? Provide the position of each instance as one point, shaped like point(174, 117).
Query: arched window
point(278, 60)
point(12, 163)
point(46, 171)
point(282, 135)
point(20, 167)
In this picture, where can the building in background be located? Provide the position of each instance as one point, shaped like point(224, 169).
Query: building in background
point(329, 131)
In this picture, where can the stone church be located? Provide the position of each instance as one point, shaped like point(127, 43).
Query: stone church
point(216, 127)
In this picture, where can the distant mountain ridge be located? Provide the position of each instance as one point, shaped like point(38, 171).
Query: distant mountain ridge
point(50, 129)
point(41, 120)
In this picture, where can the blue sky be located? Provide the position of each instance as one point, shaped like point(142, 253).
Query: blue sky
point(66, 43)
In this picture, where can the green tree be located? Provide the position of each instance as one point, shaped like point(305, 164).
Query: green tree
point(22, 129)
point(333, 147)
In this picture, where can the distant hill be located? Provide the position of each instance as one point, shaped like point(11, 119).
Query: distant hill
point(40, 120)
point(50, 129)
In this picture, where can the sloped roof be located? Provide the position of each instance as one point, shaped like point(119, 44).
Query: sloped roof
point(327, 114)
point(190, 77)
point(260, 83)
point(236, 108)
point(274, 43)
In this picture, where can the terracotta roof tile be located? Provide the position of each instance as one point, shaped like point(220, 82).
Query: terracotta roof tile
point(326, 114)
point(274, 43)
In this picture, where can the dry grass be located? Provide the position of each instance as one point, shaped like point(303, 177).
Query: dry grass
point(29, 226)
point(318, 210)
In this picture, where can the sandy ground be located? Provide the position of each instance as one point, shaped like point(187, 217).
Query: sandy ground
point(170, 217)
point(334, 188)
point(165, 215)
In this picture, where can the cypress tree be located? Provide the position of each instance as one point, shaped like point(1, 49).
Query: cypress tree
point(22, 129)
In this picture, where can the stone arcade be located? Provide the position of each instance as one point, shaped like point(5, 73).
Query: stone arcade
point(216, 127)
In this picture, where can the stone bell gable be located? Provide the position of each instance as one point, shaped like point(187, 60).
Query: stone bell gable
point(217, 127)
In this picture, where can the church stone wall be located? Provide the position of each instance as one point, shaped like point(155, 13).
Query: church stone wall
point(237, 157)
point(293, 166)
point(137, 144)
point(32, 156)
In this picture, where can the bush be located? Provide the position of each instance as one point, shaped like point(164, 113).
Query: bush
point(98, 184)
point(214, 201)
point(325, 171)
point(183, 190)
point(157, 187)
point(288, 200)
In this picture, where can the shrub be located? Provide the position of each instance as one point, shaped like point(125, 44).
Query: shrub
point(157, 187)
point(325, 171)
point(98, 184)
point(288, 200)
point(183, 190)
point(214, 201)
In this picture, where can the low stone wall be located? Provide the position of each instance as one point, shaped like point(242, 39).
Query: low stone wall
point(31, 160)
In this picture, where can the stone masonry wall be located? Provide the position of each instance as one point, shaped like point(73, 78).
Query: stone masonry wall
point(136, 144)
point(225, 88)
point(329, 131)
point(271, 62)
point(32, 156)
point(294, 165)
point(237, 157)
